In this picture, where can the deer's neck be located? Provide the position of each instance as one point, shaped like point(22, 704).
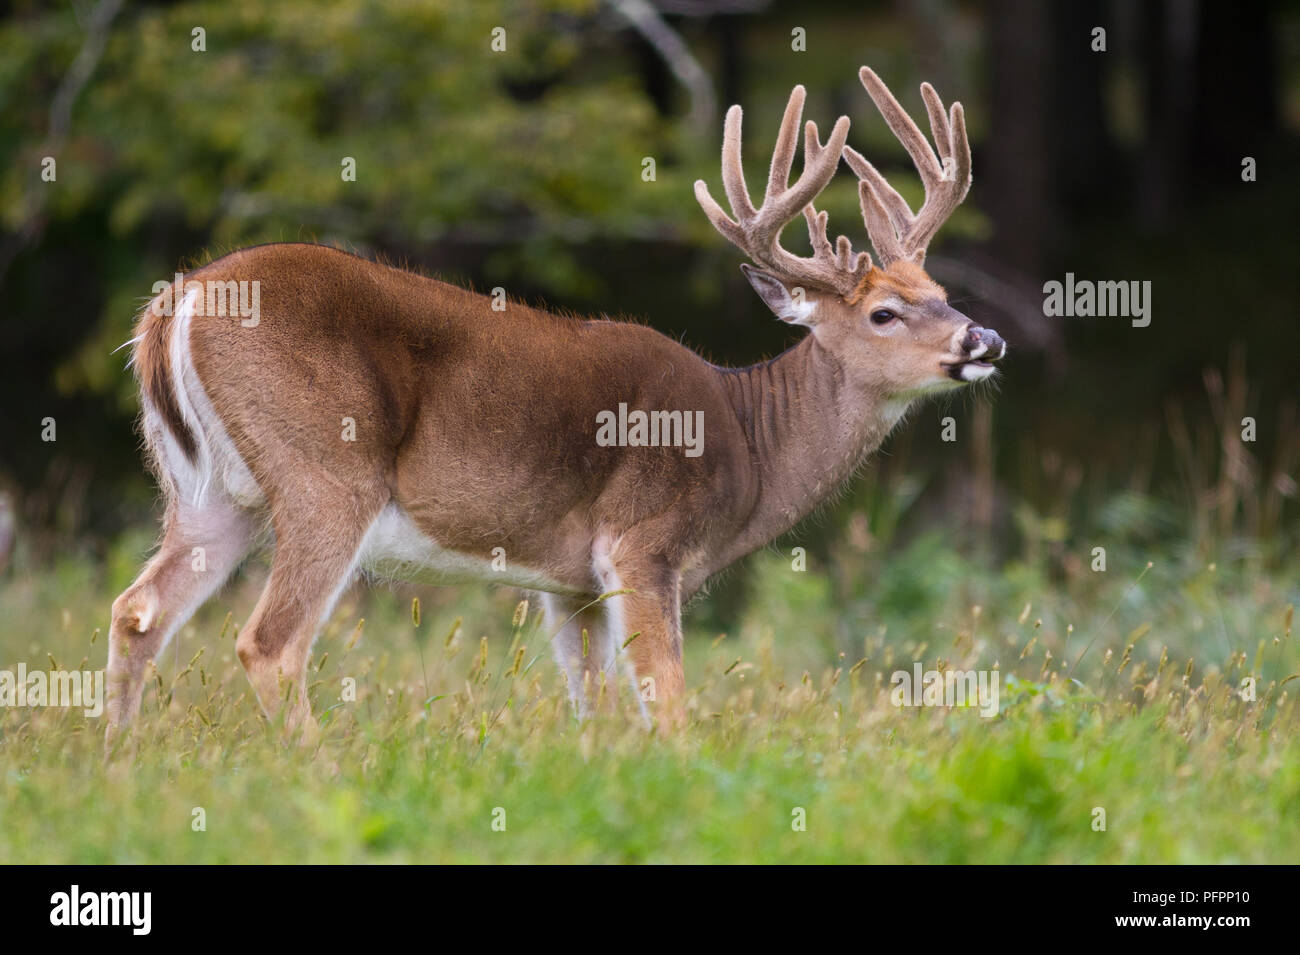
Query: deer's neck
point(809, 426)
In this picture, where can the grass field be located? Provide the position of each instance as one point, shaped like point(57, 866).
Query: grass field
point(459, 745)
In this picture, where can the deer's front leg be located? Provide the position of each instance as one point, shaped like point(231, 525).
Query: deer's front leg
point(585, 649)
point(647, 620)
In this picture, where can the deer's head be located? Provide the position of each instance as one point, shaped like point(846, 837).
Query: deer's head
point(889, 323)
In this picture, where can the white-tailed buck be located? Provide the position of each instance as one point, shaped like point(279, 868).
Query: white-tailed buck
point(374, 418)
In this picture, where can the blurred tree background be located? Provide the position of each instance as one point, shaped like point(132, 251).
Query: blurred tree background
point(525, 167)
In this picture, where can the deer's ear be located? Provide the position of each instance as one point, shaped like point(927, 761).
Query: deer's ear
point(794, 307)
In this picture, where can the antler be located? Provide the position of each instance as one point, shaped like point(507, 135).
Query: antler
point(757, 232)
point(895, 232)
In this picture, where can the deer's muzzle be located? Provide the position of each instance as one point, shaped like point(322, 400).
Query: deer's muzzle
point(982, 347)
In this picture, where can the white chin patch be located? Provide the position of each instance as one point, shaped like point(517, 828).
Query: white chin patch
point(973, 372)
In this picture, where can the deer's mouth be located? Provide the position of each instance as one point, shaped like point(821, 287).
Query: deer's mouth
point(982, 347)
point(972, 369)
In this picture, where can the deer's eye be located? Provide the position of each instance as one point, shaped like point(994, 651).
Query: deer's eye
point(882, 316)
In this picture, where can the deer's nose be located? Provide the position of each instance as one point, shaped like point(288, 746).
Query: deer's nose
point(983, 343)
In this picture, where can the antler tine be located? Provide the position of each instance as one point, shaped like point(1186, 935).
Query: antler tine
point(879, 215)
point(757, 231)
point(782, 202)
point(899, 213)
point(938, 123)
point(733, 173)
point(733, 183)
point(940, 205)
point(778, 176)
point(817, 231)
point(731, 231)
point(855, 266)
point(845, 260)
point(908, 133)
point(895, 231)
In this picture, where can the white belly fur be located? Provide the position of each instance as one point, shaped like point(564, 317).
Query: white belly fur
point(395, 547)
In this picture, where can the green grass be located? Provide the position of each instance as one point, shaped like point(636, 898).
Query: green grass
point(785, 716)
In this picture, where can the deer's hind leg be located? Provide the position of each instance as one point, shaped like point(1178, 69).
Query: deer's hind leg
point(200, 547)
point(318, 538)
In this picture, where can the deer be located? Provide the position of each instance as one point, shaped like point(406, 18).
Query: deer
point(376, 420)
